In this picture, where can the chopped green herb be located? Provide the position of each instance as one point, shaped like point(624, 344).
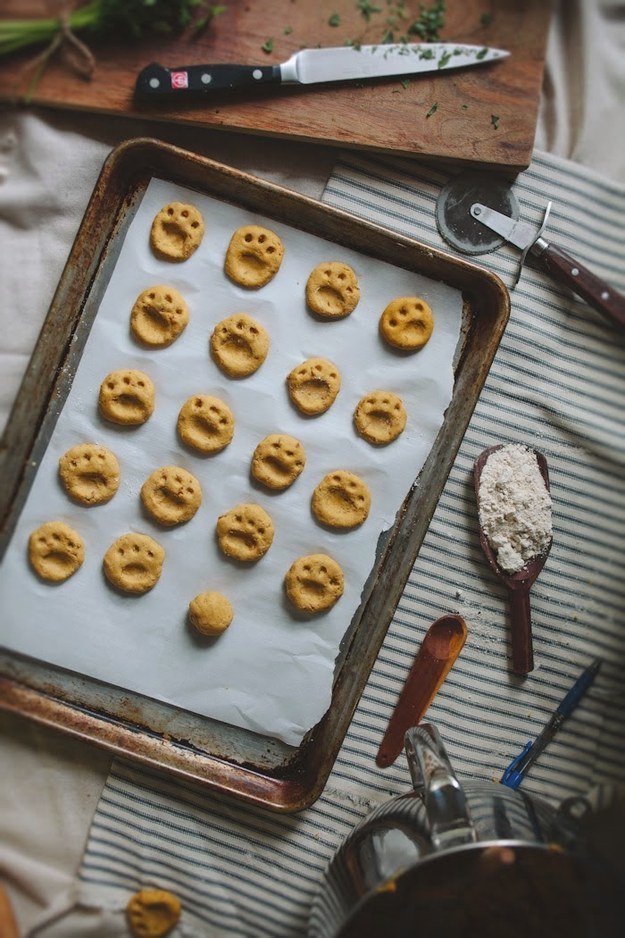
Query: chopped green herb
point(388, 37)
point(405, 82)
point(481, 54)
point(486, 19)
point(444, 59)
point(429, 22)
point(494, 119)
point(288, 30)
point(200, 25)
point(464, 107)
point(432, 110)
point(354, 43)
point(335, 20)
point(267, 46)
point(367, 9)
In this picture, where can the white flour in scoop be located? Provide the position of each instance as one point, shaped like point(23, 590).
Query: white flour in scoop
point(514, 506)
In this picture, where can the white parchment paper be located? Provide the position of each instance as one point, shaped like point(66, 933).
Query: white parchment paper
point(270, 672)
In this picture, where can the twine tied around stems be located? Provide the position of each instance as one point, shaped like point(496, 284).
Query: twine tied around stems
point(75, 54)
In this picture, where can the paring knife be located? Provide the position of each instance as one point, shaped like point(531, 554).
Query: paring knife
point(556, 262)
point(312, 66)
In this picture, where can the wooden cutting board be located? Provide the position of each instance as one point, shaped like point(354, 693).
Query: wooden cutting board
point(481, 116)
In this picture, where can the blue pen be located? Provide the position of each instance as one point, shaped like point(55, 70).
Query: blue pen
point(513, 775)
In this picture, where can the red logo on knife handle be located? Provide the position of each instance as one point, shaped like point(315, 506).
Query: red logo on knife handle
point(180, 79)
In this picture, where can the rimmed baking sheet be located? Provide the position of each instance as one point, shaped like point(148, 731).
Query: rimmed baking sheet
point(261, 711)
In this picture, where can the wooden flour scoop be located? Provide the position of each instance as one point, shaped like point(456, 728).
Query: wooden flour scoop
point(518, 583)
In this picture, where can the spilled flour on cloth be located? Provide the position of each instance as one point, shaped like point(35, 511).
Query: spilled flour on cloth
point(515, 506)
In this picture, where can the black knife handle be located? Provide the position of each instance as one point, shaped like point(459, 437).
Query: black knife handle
point(591, 288)
point(158, 81)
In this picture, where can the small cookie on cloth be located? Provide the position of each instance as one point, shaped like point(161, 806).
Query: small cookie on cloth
point(89, 473)
point(177, 231)
point(210, 613)
point(55, 551)
point(133, 563)
point(239, 345)
point(332, 290)
point(126, 397)
point(380, 417)
point(171, 495)
point(245, 532)
point(314, 583)
point(341, 500)
point(158, 316)
point(313, 386)
point(152, 913)
point(254, 256)
point(205, 423)
point(278, 460)
point(407, 323)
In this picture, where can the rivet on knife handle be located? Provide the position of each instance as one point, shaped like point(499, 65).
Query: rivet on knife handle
point(438, 651)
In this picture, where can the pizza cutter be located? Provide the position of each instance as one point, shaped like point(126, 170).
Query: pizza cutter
point(476, 212)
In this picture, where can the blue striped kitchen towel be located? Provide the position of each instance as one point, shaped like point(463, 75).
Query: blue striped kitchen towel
point(557, 384)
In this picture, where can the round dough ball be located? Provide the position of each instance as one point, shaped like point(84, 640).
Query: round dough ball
point(210, 613)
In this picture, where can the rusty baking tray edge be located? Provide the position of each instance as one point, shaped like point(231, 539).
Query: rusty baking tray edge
point(296, 778)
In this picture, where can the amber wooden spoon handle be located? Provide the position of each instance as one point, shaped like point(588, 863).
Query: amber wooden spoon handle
point(8, 926)
point(440, 647)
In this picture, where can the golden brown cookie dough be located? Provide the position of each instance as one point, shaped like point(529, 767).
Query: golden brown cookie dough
point(380, 417)
point(278, 460)
point(177, 231)
point(210, 613)
point(89, 473)
point(245, 532)
point(239, 345)
point(314, 583)
point(205, 423)
point(254, 256)
point(126, 397)
point(341, 500)
point(171, 495)
point(407, 323)
point(332, 290)
point(152, 913)
point(55, 551)
point(158, 316)
point(133, 563)
point(314, 385)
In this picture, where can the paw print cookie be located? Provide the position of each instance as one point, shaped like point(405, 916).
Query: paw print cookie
point(245, 532)
point(278, 460)
point(210, 613)
point(126, 397)
point(313, 386)
point(177, 231)
point(380, 417)
point(341, 500)
point(55, 551)
point(254, 256)
point(171, 495)
point(159, 316)
point(239, 345)
point(314, 583)
point(205, 423)
point(152, 913)
point(89, 473)
point(332, 290)
point(407, 323)
point(133, 563)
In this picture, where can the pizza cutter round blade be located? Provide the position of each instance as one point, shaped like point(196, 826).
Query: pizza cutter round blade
point(455, 223)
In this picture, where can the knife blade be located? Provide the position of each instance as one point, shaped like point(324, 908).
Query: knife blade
point(314, 66)
point(554, 260)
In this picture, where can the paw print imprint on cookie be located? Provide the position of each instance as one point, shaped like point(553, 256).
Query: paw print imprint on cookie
point(55, 551)
point(380, 417)
point(205, 423)
point(133, 563)
point(152, 913)
point(254, 256)
point(89, 473)
point(332, 290)
point(278, 461)
point(245, 532)
point(341, 500)
point(239, 345)
point(407, 323)
point(314, 583)
point(177, 231)
point(314, 385)
point(159, 316)
point(127, 397)
point(171, 495)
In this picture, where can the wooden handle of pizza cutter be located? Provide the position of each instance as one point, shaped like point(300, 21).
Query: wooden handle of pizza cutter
point(566, 270)
point(440, 648)
point(8, 925)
